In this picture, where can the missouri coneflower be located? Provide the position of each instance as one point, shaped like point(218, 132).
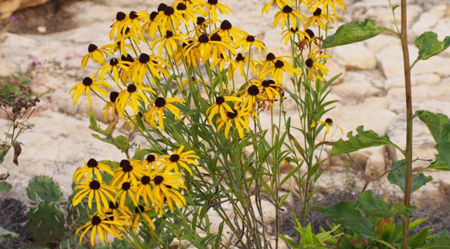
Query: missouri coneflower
point(293, 32)
point(87, 85)
point(280, 4)
point(288, 13)
point(321, 19)
point(157, 108)
point(221, 46)
point(145, 191)
point(221, 61)
point(93, 189)
point(242, 64)
point(192, 56)
point(166, 189)
point(169, 42)
point(91, 168)
point(226, 29)
point(129, 171)
point(221, 107)
point(247, 42)
point(314, 66)
point(117, 210)
point(328, 3)
point(168, 19)
point(118, 24)
point(151, 25)
point(124, 190)
point(251, 95)
point(113, 67)
point(140, 212)
point(180, 159)
point(213, 6)
point(270, 89)
point(278, 69)
point(270, 60)
point(110, 106)
point(134, 22)
point(146, 63)
point(239, 118)
point(123, 37)
point(95, 54)
point(100, 224)
point(328, 124)
point(130, 96)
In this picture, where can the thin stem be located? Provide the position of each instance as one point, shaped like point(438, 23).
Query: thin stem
point(409, 120)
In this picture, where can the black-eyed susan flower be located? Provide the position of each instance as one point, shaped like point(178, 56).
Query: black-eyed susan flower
point(168, 19)
point(278, 69)
point(294, 33)
point(180, 159)
point(91, 168)
point(129, 171)
point(117, 211)
point(124, 36)
point(221, 46)
point(151, 25)
point(145, 190)
point(226, 29)
point(140, 212)
point(95, 54)
point(166, 189)
point(94, 189)
point(201, 25)
point(169, 42)
point(280, 4)
point(110, 106)
point(286, 14)
point(192, 56)
point(221, 61)
point(202, 45)
point(125, 189)
point(240, 118)
point(187, 11)
point(221, 107)
point(316, 69)
point(213, 6)
point(100, 224)
point(115, 65)
point(328, 124)
point(133, 22)
point(270, 89)
point(250, 41)
point(118, 24)
point(130, 96)
point(148, 63)
point(251, 95)
point(242, 63)
point(328, 3)
point(86, 86)
point(157, 108)
point(321, 19)
point(151, 162)
point(270, 61)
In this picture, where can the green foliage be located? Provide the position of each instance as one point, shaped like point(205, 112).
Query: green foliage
point(309, 239)
point(43, 188)
point(353, 32)
point(364, 139)
point(379, 208)
point(11, 84)
point(121, 142)
point(6, 234)
point(429, 45)
point(45, 223)
point(5, 187)
point(437, 243)
point(398, 174)
point(439, 126)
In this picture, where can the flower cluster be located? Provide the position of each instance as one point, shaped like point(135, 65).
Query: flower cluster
point(146, 186)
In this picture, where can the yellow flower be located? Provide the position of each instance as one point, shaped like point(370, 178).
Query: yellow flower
point(221, 46)
point(169, 41)
point(278, 69)
point(169, 19)
point(133, 93)
point(113, 67)
point(280, 4)
point(242, 64)
point(151, 161)
point(319, 17)
point(93, 189)
point(123, 37)
point(111, 105)
point(221, 107)
point(132, 22)
point(331, 3)
point(139, 213)
point(86, 86)
point(145, 190)
point(151, 25)
point(179, 158)
point(270, 90)
point(117, 211)
point(270, 60)
point(249, 41)
point(201, 25)
point(314, 66)
point(226, 29)
point(288, 13)
point(192, 56)
point(126, 189)
point(294, 31)
point(328, 124)
point(95, 54)
point(129, 171)
point(238, 117)
point(157, 108)
point(118, 24)
point(251, 95)
point(92, 167)
point(221, 61)
point(146, 63)
point(101, 225)
point(212, 6)
point(166, 189)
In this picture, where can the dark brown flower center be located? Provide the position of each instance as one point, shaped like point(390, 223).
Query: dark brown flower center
point(250, 38)
point(270, 57)
point(113, 205)
point(120, 16)
point(310, 33)
point(309, 62)
point(169, 34)
point(253, 90)
point(232, 114)
point(200, 20)
point(181, 6)
point(133, 15)
point(153, 15)
point(203, 39)
point(144, 58)
point(240, 57)
point(113, 96)
point(213, 2)
point(162, 7)
point(279, 64)
point(158, 180)
point(168, 11)
point(293, 30)
point(126, 166)
point(216, 37)
point(87, 81)
point(145, 180)
point(287, 9)
point(131, 88)
point(126, 186)
point(151, 158)
point(267, 83)
point(128, 58)
point(92, 163)
point(113, 62)
point(174, 158)
point(96, 220)
point(94, 185)
point(318, 12)
point(329, 121)
point(139, 209)
point(92, 48)
point(220, 100)
point(225, 25)
point(160, 102)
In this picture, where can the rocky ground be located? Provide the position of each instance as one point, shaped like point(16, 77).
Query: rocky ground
point(370, 90)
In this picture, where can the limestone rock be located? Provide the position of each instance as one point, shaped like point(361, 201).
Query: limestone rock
point(7, 7)
point(355, 56)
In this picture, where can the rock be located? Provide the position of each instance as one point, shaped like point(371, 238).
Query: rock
point(381, 41)
point(9, 6)
point(355, 56)
point(429, 19)
point(376, 102)
point(376, 164)
point(355, 91)
point(424, 79)
point(335, 69)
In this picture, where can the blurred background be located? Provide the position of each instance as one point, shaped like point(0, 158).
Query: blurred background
point(42, 43)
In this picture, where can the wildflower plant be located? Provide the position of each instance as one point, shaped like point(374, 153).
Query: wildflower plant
point(193, 87)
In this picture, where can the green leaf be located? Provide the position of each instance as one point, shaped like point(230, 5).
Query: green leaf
point(122, 143)
point(347, 215)
point(289, 241)
point(353, 32)
point(439, 126)
point(379, 208)
point(398, 173)
point(364, 139)
point(429, 45)
point(5, 187)
point(437, 243)
point(394, 7)
point(43, 188)
point(93, 123)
